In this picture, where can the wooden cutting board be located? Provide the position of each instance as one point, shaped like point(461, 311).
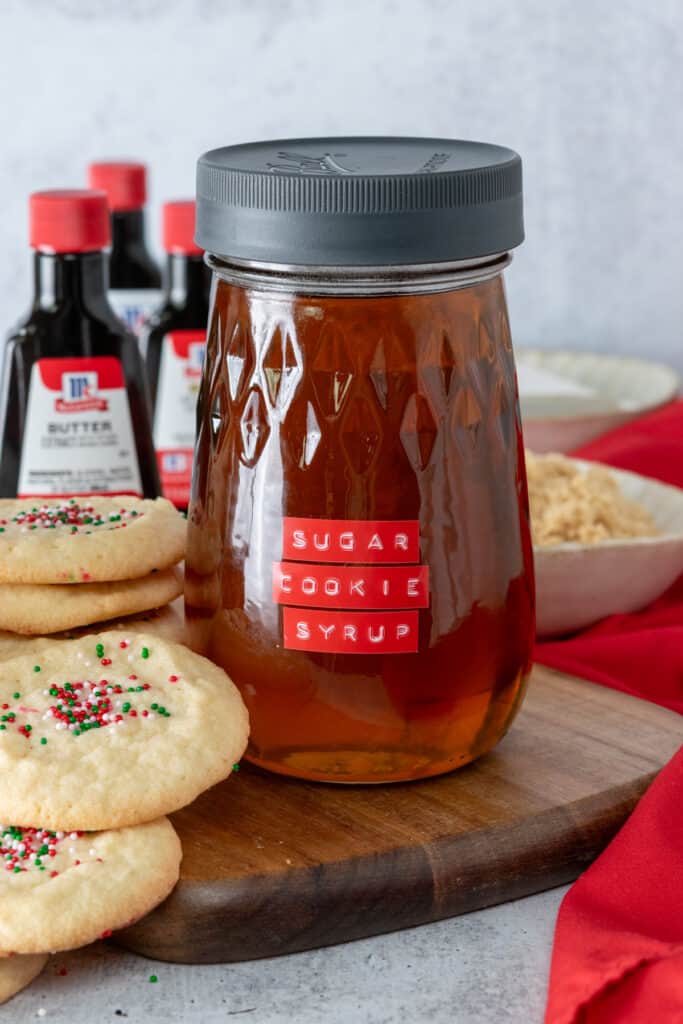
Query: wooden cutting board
point(273, 865)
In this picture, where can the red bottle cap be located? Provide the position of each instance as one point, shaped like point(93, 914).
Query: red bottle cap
point(69, 220)
point(178, 227)
point(124, 183)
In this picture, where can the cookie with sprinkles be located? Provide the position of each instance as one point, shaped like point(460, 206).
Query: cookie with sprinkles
point(38, 608)
point(87, 540)
point(113, 729)
point(60, 890)
point(16, 972)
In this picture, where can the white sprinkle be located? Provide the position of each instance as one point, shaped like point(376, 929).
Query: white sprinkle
point(59, 835)
point(42, 1012)
point(93, 852)
point(73, 835)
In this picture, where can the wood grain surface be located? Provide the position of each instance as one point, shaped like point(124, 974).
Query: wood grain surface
point(274, 865)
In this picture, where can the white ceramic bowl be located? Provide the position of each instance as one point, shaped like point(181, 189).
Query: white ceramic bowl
point(579, 584)
point(570, 398)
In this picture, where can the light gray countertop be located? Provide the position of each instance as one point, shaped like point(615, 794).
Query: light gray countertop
point(482, 968)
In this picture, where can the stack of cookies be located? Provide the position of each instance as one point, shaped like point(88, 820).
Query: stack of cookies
point(66, 565)
point(101, 736)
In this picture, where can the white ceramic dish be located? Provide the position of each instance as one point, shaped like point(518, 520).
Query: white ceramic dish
point(570, 398)
point(579, 584)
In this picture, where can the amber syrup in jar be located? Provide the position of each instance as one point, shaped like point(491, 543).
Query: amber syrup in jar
point(174, 341)
point(359, 556)
point(73, 409)
point(134, 277)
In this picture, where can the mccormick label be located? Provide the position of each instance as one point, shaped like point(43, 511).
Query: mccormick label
point(180, 372)
point(134, 305)
point(78, 435)
point(368, 605)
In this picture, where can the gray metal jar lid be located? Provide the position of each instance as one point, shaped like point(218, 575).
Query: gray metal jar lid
point(359, 201)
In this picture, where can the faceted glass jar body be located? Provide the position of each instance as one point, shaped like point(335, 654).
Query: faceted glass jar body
point(359, 557)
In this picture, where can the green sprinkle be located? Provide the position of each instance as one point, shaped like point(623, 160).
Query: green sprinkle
point(77, 732)
point(2, 529)
point(3, 727)
point(16, 696)
point(145, 652)
point(36, 668)
point(153, 978)
point(126, 707)
point(236, 767)
point(99, 650)
point(43, 741)
point(154, 707)
point(28, 728)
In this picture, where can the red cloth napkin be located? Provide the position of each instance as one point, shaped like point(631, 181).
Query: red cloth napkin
point(618, 949)
point(618, 953)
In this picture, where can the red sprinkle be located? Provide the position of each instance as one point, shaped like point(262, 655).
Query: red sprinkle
point(53, 874)
point(123, 644)
point(173, 679)
point(106, 935)
point(105, 661)
point(63, 971)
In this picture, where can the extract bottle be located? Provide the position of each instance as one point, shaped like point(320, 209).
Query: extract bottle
point(134, 277)
point(73, 407)
point(174, 342)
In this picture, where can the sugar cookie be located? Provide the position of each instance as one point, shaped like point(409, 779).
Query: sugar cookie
point(87, 540)
point(113, 729)
point(167, 622)
point(16, 972)
point(37, 608)
point(61, 890)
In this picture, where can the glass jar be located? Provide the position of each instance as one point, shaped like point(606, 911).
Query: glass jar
point(359, 557)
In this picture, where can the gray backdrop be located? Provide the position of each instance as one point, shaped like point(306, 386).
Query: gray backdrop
point(589, 91)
